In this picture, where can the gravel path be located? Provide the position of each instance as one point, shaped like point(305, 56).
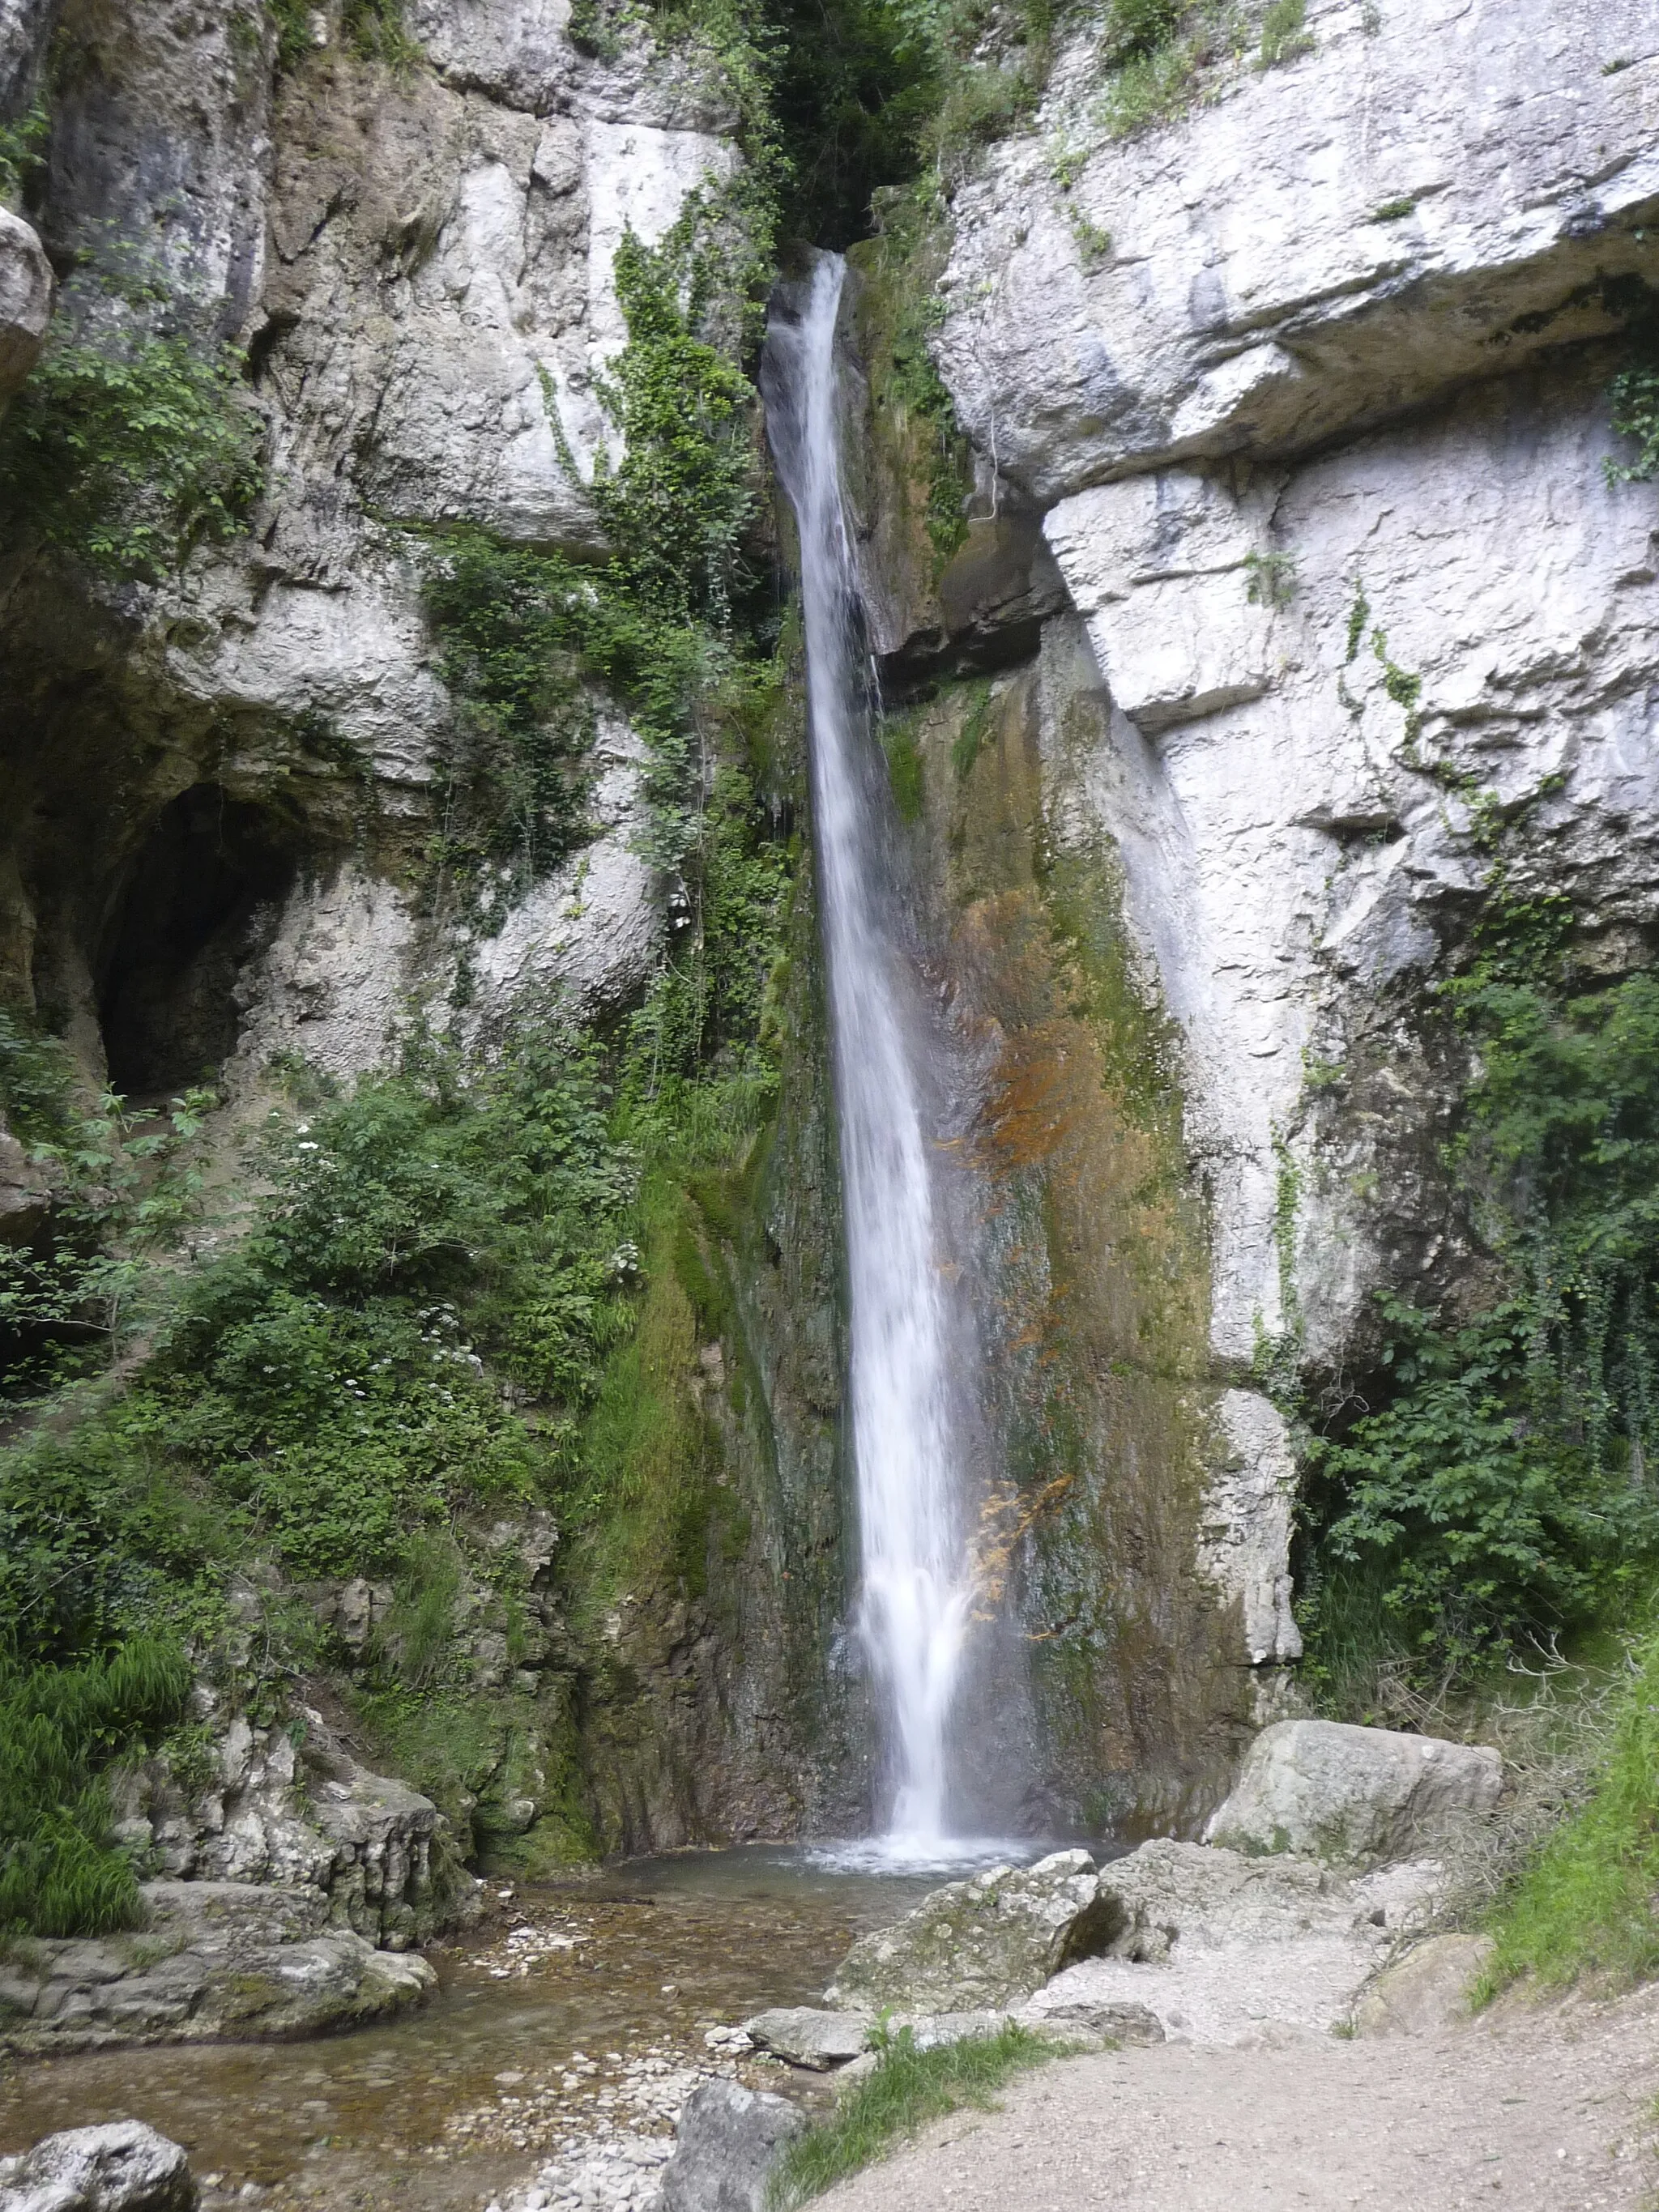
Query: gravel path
point(1531, 2111)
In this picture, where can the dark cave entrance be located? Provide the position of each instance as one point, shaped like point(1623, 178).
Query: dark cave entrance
point(199, 898)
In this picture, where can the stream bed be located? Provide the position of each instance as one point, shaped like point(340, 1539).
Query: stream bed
point(571, 2007)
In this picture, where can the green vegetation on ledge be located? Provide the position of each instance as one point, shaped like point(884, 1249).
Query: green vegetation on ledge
point(1494, 1492)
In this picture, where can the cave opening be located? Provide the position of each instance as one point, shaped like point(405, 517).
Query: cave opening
point(199, 897)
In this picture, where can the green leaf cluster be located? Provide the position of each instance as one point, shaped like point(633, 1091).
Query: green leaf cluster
point(72, 1291)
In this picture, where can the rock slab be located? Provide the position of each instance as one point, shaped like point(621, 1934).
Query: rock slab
point(730, 2139)
point(1357, 1796)
point(1427, 1991)
point(219, 1958)
point(122, 2166)
point(983, 1944)
point(806, 2036)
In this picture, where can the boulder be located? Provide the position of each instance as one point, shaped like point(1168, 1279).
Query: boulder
point(26, 288)
point(730, 2139)
point(808, 2036)
point(1353, 1795)
point(984, 1943)
point(1426, 1990)
point(931, 2031)
point(122, 2166)
point(1167, 1892)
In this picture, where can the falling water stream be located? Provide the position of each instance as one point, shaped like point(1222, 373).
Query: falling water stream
point(906, 1428)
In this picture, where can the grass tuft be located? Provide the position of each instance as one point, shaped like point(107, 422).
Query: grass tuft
point(1584, 1911)
point(909, 2089)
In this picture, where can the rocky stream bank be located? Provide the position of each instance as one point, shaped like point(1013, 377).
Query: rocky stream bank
point(1330, 1937)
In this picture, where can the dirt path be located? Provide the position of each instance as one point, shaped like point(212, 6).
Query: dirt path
point(1530, 2110)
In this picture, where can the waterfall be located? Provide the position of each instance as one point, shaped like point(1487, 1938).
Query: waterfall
point(906, 1439)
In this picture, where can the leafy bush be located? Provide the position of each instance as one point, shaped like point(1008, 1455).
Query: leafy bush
point(1487, 1526)
point(1503, 1490)
point(1635, 396)
point(1136, 27)
point(72, 1294)
point(1284, 33)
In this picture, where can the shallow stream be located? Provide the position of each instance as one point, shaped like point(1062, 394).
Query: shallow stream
point(553, 2015)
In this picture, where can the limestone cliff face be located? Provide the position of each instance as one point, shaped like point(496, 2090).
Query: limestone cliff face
point(1307, 390)
point(1294, 567)
point(219, 790)
point(420, 265)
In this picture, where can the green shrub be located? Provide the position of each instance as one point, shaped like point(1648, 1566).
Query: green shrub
point(22, 151)
point(1634, 393)
point(1134, 29)
point(377, 31)
point(1486, 1526)
point(1284, 33)
point(1150, 89)
point(1502, 1491)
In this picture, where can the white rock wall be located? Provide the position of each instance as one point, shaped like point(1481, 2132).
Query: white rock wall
point(1195, 416)
point(422, 264)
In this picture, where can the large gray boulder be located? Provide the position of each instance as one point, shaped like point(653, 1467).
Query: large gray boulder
point(26, 290)
point(730, 2139)
point(1353, 1795)
point(982, 1944)
point(122, 2166)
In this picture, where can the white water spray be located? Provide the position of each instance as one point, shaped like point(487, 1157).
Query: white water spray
point(916, 1588)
